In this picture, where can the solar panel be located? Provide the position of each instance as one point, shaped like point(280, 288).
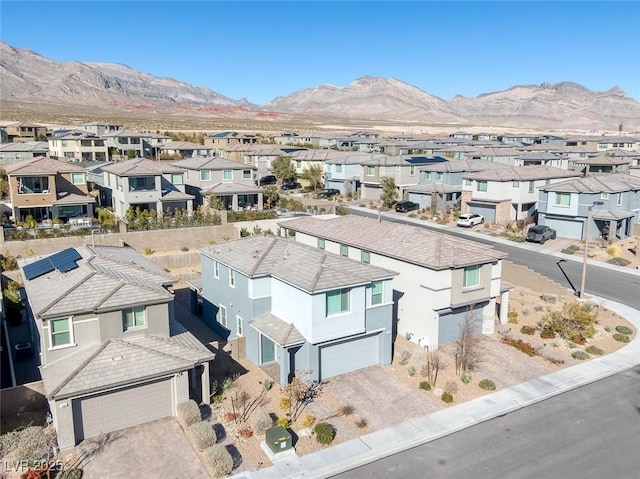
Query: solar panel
point(38, 268)
point(63, 267)
point(64, 256)
point(63, 261)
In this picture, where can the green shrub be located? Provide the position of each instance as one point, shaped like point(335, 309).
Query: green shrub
point(547, 334)
point(619, 261)
point(267, 385)
point(70, 474)
point(465, 378)
point(570, 249)
point(581, 355)
point(575, 320)
point(412, 215)
point(447, 397)
point(623, 338)
point(284, 422)
point(285, 403)
point(527, 330)
point(203, 435)
point(425, 385)
point(595, 351)
point(411, 371)
point(325, 433)
point(217, 460)
point(487, 385)
point(260, 421)
point(188, 413)
point(624, 330)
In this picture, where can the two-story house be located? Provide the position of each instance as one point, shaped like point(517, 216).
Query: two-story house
point(47, 189)
point(122, 142)
point(297, 306)
point(565, 206)
point(223, 139)
point(508, 194)
point(184, 149)
point(343, 171)
point(112, 354)
point(22, 131)
point(543, 158)
point(444, 281)
point(146, 184)
point(603, 164)
point(77, 145)
point(13, 152)
point(233, 183)
point(99, 128)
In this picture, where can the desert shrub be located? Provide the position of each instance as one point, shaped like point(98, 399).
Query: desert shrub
point(230, 416)
point(404, 357)
point(412, 215)
point(29, 442)
point(581, 355)
point(8, 262)
point(624, 330)
point(260, 421)
point(570, 249)
point(613, 250)
point(547, 334)
point(285, 403)
point(362, 423)
point(308, 420)
point(411, 371)
point(512, 315)
point(425, 385)
point(284, 422)
point(623, 338)
point(520, 345)
point(217, 460)
point(619, 261)
point(575, 320)
point(527, 330)
point(451, 387)
point(246, 433)
point(147, 250)
point(325, 433)
point(465, 378)
point(203, 435)
point(267, 385)
point(424, 218)
point(447, 397)
point(184, 248)
point(347, 410)
point(73, 473)
point(595, 351)
point(538, 308)
point(579, 340)
point(549, 298)
point(487, 385)
point(188, 413)
point(607, 329)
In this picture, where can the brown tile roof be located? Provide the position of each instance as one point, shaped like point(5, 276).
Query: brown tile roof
point(141, 167)
point(521, 173)
point(41, 165)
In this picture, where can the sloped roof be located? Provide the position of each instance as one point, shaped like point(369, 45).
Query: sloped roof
point(403, 242)
point(613, 183)
point(229, 188)
point(183, 145)
point(541, 156)
point(403, 160)
point(32, 146)
point(604, 160)
point(211, 163)
point(141, 167)
point(434, 188)
point(454, 166)
point(521, 173)
point(42, 165)
point(175, 195)
point(307, 268)
point(107, 278)
point(283, 333)
point(66, 198)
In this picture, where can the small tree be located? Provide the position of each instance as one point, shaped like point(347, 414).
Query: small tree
point(467, 353)
point(283, 168)
point(106, 219)
point(270, 194)
point(132, 154)
point(389, 193)
point(435, 364)
point(301, 391)
point(313, 174)
point(4, 184)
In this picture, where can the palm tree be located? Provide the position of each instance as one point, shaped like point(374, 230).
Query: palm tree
point(389, 193)
point(313, 174)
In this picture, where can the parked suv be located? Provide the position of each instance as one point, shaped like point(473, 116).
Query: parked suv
point(540, 234)
point(328, 193)
point(470, 219)
point(267, 180)
point(290, 185)
point(404, 206)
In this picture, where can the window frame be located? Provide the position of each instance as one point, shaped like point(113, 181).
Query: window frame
point(239, 327)
point(69, 331)
point(216, 269)
point(82, 179)
point(134, 310)
point(371, 171)
point(379, 294)
point(226, 173)
point(178, 176)
point(344, 297)
point(466, 280)
point(562, 194)
point(246, 174)
point(532, 186)
point(232, 278)
point(222, 316)
point(412, 170)
point(365, 256)
point(604, 195)
point(321, 243)
point(484, 185)
point(344, 250)
point(619, 199)
point(205, 175)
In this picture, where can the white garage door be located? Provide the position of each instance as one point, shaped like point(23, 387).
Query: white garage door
point(565, 228)
point(95, 415)
point(348, 356)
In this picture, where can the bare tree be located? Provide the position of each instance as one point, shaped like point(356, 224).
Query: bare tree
point(301, 391)
point(435, 364)
point(467, 353)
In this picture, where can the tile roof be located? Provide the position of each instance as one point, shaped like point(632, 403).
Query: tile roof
point(175, 195)
point(76, 135)
point(183, 145)
point(613, 214)
point(211, 163)
point(230, 187)
point(124, 134)
point(455, 166)
point(603, 160)
point(107, 278)
point(612, 183)
point(403, 242)
point(66, 198)
point(27, 146)
point(434, 188)
point(541, 155)
point(141, 167)
point(278, 330)
point(403, 160)
point(41, 165)
point(302, 266)
point(521, 173)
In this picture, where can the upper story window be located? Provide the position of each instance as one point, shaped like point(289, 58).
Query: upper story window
point(344, 250)
point(604, 196)
point(232, 278)
point(143, 183)
point(371, 170)
point(365, 256)
point(412, 170)
point(563, 199)
point(298, 164)
point(216, 270)
point(177, 179)
point(321, 243)
point(531, 186)
point(376, 293)
point(516, 184)
point(338, 168)
point(471, 276)
point(64, 142)
point(205, 175)
point(77, 178)
point(481, 186)
point(397, 167)
point(468, 182)
point(246, 174)
point(61, 332)
point(223, 316)
point(619, 200)
point(133, 317)
point(17, 156)
point(33, 184)
point(227, 175)
point(337, 301)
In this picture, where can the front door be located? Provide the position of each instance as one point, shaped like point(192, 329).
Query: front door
point(267, 350)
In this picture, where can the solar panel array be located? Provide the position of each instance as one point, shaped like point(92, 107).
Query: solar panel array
point(63, 261)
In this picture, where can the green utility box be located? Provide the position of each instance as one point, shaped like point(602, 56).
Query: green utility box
point(278, 439)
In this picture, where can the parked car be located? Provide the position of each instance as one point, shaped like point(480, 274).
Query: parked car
point(540, 234)
point(404, 206)
point(290, 185)
point(267, 180)
point(470, 219)
point(328, 193)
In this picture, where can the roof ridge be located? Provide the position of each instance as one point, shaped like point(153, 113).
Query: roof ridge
point(110, 294)
point(132, 342)
point(65, 293)
point(264, 255)
point(173, 343)
point(316, 277)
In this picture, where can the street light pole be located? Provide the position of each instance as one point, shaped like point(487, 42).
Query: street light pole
point(586, 248)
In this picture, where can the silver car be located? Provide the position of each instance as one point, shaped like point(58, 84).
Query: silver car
point(470, 219)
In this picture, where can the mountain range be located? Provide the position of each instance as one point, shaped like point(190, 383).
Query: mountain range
point(30, 80)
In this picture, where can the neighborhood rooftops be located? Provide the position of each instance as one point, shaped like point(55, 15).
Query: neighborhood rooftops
point(407, 243)
point(211, 163)
point(613, 183)
point(456, 166)
point(41, 165)
point(307, 268)
point(521, 173)
point(141, 167)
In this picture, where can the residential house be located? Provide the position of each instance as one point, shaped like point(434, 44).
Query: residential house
point(148, 185)
point(518, 138)
point(460, 152)
point(628, 143)
point(303, 159)
point(504, 154)
point(444, 281)
point(285, 138)
point(183, 149)
point(23, 131)
point(99, 128)
point(112, 354)
point(462, 135)
point(543, 158)
point(46, 189)
point(258, 155)
point(125, 143)
point(233, 183)
point(508, 194)
point(298, 307)
point(12, 152)
point(602, 164)
point(342, 171)
point(395, 148)
point(223, 139)
point(77, 145)
point(565, 206)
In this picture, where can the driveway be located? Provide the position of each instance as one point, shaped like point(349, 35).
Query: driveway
point(149, 451)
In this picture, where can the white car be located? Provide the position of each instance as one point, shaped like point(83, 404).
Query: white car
point(470, 219)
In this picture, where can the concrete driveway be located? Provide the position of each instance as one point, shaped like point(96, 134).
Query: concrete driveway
point(149, 451)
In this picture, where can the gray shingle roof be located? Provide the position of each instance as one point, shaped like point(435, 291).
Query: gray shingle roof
point(302, 266)
point(41, 165)
point(463, 165)
point(521, 173)
point(604, 160)
point(211, 163)
point(613, 183)
point(32, 146)
point(141, 167)
point(230, 187)
point(407, 243)
point(283, 333)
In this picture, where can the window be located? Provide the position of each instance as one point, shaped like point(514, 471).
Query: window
point(298, 164)
point(60, 332)
point(321, 243)
point(397, 167)
point(344, 250)
point(481, 186)
point(412, 170)
point(64, 142)
point(516, 184)
point(205, 175)
point(246, 174)
point(232, 278)
point(145, 183)
point(337, 301)
point(439, 176)
point(223, 316)
point(27, 185)
point(176, 179)
point(467, 182)
point(531, 186)
point(365, 256)
point(604, 196)
point(67, 154)
point(133, 317)
point(376, 293)
point(338, 168)
point(227, 174)
point(619, 200)
point(472, 276)
point(563, 199)
point(371, 171)
point(239, 330)
point(216, 270)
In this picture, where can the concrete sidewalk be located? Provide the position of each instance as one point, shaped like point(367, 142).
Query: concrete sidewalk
point(384, 443)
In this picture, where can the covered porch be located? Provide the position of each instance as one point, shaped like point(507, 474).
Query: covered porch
point(70, 205)
point(616, 224)
point(236, 196)
point(175, 200)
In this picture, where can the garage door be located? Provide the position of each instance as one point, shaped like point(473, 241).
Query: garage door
point(348, 356)
point(450, 325)
point(95, 415)
point(371, 192)
point(564, 228)
point(488, 211)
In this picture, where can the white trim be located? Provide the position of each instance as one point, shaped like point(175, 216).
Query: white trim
point(239, 326)
point(226, 315)
point(72, 338)
point(232, 278)
point(85, 320)
point(216, 269)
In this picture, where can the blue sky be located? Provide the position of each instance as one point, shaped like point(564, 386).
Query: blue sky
point(260, 50)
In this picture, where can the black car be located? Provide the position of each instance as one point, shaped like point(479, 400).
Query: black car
point(404, 206)
point(540, 234)
point(267, 180)
point(328, 193)
point(290, 185)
